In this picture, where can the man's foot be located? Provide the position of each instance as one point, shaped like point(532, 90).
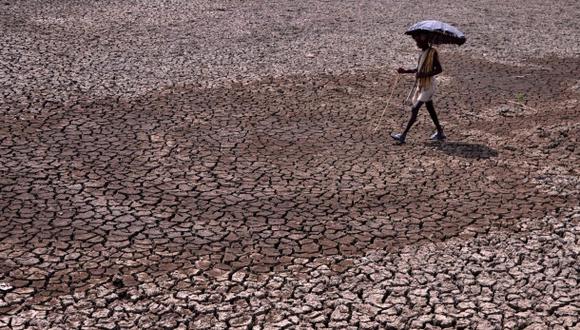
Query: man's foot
point(438, 136)
point(399, 137)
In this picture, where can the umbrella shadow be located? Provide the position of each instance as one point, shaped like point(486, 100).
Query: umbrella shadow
point(466, 150)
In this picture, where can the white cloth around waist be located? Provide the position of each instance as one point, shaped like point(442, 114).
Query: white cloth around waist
point(426, 93)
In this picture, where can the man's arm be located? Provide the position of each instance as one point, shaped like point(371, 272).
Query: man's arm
point(401, 70)
point(437, 68)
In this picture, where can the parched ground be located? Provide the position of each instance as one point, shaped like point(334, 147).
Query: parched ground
point(213, 165)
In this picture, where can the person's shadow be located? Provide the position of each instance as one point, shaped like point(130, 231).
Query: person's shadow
point(465, 150)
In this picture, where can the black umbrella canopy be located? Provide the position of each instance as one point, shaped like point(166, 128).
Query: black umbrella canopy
point(438, 32)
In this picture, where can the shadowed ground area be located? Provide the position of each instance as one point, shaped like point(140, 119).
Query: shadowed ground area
point(213, 195)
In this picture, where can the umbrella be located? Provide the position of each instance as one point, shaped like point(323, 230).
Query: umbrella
point(439, 32)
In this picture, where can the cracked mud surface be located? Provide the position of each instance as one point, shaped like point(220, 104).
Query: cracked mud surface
point(198, 165)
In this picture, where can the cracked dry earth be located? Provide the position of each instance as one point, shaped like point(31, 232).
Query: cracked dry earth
point(152, 178)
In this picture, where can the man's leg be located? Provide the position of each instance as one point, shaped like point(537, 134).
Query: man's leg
point(439, 134)
point(414, 112)
point(433, 115)
point(413, 119)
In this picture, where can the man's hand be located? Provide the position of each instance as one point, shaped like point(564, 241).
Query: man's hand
point(401, 71)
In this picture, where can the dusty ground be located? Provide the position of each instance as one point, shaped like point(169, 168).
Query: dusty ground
point(212, 165)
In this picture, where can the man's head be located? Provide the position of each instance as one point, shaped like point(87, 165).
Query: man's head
point(422, 40)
